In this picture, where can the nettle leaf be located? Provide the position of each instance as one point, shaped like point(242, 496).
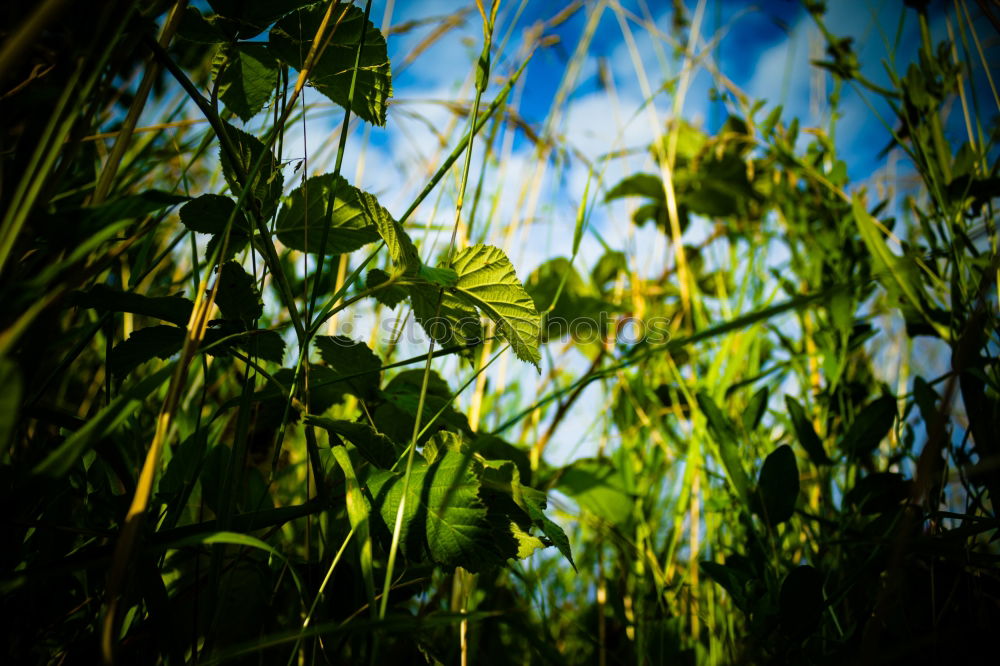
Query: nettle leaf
point(389, 296)
point(453, 322)
point(396, 415)
point(209, 214)
point(248, 19)
point(401, 249)
point(266, 186)
point(444, 519)
point(870, 427)
point(301, 219)
point(486, 279)
point(373, 446)
point(331, 75)
point(237, 295)
point(777, 486)
point(247, 74)
point(804, 430)
point(175, 309)
point(143, 345)
point(352, 359)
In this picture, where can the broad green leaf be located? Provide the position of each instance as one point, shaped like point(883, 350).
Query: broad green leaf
point(102, 424)
point(527, 543)
point(305, 212)
point(396, 415)
point(597, 487)
point(804, 430)
point(578, 310)
point(453, 322)
point(331, 75)
point(777, 486)
point(732, 579)
point(263, 344)
point(725, 438)
point(175, 309)
point(389, 296)
point(442, 277)
point(223, 334)
point(247, 74)
point(870, 426)
point(352, 359)
point(401, 249)
point(266, 186)
point(486, 280)
point(10, 401)
point(608, 267)
point(248, 18)
point(237, 295)
point(143, 345)
point(209, 214)
point(637, 185)
point(373, 446)
point(444, 518)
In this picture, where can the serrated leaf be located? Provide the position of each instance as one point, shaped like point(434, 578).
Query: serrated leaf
point(353, 359)
point(331, 75)
point(402, 251)
point(266, 186)
point(248, 77)
point(374, 447)
point(264, 344)
point(389, 296)
point(209, 214)
point(237, 295)
point(305, 211)
point(143, 345)
point(454, 322)
point(486, 280)
point(777, 486)
point(248, 19)
point(444, 519)
point(175, 309)
point(808, 438)
point(527, 543)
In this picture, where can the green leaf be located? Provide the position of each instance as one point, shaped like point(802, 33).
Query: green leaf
point(596, 486)
point(175, 309)
point(444, 519)
point(486, 280)
point(442, 277)
point(725, 437)
point(401, 249)
point(637, 185)
point(732, 579)
point(389, 296)
point(237, 295)
point(248, 18)
point(331, 75)
point(131, 207)
point(395, 416)
point(777, 486)
point(105, 422)
point(266, 186)
point(248, 78)
point(304, 213)
point(209, 214)
point(375, 447)
point(144, 344)
point(578, 310)
point(358, 512)
point(870, 426)
point(804, 430)
point(454, 322)
point(352, 359)
point(755, 409)
point(264, 344)
point(10, 401)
